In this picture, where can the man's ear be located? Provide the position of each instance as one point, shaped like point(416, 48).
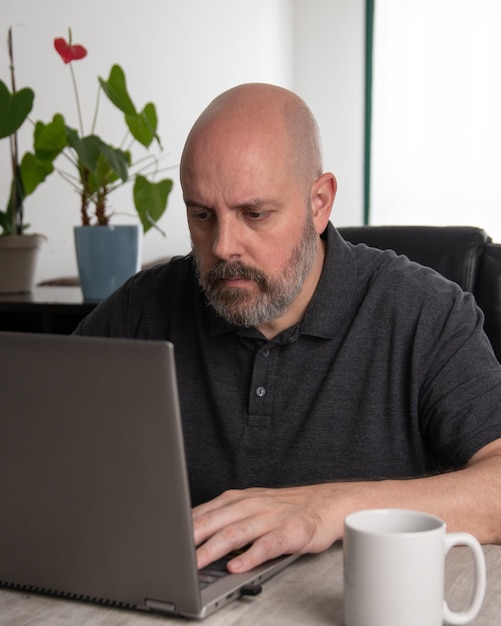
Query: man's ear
point(323, 192)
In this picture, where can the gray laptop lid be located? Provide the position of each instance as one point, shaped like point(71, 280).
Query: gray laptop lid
point(95, 498)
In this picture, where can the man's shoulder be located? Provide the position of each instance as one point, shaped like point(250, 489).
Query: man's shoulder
point(358, 279)
point(387, 269)
point(170, 265)
point(178, 270)
point(391, 286)
point(143, 307)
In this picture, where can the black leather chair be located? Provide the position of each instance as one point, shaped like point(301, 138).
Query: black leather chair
point(464, 254)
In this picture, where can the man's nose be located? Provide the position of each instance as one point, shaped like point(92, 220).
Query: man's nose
point(227, 243)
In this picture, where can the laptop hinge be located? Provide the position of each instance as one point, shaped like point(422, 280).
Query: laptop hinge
point(160, 605)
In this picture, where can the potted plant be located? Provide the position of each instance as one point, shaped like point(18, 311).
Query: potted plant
point(99, 168)
point(18, 250)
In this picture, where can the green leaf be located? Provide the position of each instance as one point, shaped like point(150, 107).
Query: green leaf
point(143, 127)
point(98, 162)
point(112, 164)
point(88, 148)
point(117, 160)
point(33, 172)
point(50, 139)
point(14, 109)
point(7, 221)
point(150, 200)
point(116, 90)
point(4, 222)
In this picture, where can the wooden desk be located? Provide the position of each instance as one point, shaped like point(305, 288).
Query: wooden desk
point(308, 593)
point(44, 310)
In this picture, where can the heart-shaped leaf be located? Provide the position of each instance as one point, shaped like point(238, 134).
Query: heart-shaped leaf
point(150, 199)
point(143, 127)
point(116, 90)
point(14, 109)
point(33, 172)
point(50, 139)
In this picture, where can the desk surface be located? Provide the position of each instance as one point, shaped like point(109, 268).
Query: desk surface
point(310, 591)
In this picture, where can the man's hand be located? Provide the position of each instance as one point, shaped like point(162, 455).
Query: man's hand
point(297, 520)
point(273, 521)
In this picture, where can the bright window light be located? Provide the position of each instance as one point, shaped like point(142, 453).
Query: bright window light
point(436, 124)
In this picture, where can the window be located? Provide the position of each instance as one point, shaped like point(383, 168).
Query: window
point(436, 113)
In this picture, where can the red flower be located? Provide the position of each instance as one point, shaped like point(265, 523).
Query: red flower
point(69, 52)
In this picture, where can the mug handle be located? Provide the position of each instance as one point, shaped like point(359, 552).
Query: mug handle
point(465, 617)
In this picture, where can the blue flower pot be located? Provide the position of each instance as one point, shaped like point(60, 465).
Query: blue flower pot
point(107, 256)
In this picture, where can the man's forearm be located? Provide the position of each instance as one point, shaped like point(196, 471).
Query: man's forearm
point(310, 518)
point(467, 500)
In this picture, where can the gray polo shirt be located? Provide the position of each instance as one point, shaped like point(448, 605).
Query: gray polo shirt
point(389, 374)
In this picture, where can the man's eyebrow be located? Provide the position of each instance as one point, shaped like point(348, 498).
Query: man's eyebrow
point(252, 203)
point(258, 203)
point(196, 204)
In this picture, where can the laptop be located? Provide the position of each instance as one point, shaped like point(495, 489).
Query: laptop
point(95, 497)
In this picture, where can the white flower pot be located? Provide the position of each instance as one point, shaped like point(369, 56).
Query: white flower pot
point(18, 258)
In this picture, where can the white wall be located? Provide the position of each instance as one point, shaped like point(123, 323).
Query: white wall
point(180, 54)
point(328, 72)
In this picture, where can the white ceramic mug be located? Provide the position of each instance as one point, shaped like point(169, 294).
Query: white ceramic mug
point(394, 562)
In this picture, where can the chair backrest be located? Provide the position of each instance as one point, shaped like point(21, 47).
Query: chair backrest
point(464, 254)
point(488, 293)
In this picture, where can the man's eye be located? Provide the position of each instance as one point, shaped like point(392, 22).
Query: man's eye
point(256, 215)
point(201, 215)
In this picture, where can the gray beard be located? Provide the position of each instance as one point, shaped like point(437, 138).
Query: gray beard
point(275, 295)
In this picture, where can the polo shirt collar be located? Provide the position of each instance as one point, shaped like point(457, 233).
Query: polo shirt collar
point(330, 301)
point(335, 289)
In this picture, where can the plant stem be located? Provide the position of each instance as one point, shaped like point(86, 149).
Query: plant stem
point(17, 212)
point(94, 120)
point(84, 197)
point(102, 218)
point(77, 99)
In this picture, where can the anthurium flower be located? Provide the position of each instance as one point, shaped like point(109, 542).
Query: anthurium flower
point(69, 52)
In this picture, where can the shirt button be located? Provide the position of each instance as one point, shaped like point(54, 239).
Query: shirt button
point(260, 392)
point(266, 352)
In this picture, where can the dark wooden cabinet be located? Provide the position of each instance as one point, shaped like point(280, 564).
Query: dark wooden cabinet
point(55, 310)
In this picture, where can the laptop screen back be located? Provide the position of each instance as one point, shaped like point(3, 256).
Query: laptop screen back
point(95, 499)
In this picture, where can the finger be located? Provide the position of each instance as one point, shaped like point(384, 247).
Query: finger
point(294, 535)
point(208, 524)
point(267, 536)
point(230, 538)
point(263, 549)
point(215, 503)
point(226, 509)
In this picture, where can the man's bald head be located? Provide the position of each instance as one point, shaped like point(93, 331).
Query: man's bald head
point(274, 114)
point(257, 203)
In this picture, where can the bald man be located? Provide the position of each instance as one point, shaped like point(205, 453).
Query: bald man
point(316, 377)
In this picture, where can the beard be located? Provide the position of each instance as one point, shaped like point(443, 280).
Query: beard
point(275, 295)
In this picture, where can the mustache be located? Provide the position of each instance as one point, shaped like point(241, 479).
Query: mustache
point(223, 270)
